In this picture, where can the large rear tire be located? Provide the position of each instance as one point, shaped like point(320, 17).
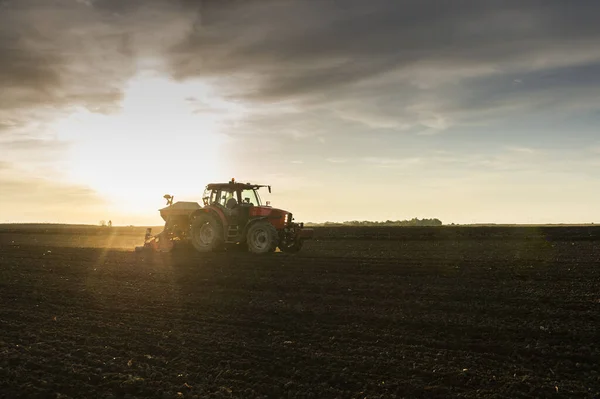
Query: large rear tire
point(262, 238)
point(206, 233)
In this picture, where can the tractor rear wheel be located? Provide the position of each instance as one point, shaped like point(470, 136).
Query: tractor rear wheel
point(206, 233)
point(262, 238)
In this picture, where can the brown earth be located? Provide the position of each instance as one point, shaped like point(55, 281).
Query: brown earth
point(359, 313)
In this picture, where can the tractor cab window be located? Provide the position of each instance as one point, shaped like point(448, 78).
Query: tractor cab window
point(250, 197)
point(209, 197)
point(225, 196)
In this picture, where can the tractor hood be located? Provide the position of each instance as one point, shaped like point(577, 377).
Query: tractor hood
point(267, 211)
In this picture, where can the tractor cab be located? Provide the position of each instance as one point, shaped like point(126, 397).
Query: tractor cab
point(238, 204)
point(231, 195)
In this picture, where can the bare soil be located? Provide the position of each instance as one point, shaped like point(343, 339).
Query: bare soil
point(360, 313)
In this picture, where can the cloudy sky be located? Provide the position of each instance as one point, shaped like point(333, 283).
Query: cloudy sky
point(468, 111)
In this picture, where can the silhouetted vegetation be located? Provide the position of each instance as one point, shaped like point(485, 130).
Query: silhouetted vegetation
point(387, 223)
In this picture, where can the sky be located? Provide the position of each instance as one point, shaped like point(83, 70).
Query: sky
point(465, 111)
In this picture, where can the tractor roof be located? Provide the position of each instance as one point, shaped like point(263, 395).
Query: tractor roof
point(234, 185)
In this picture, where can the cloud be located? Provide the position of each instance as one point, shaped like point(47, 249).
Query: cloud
point(49, 60)
point(6, 125)
point(418, 66)
point(27, 197)
point(66, 53)
point(296, 47)
point(393, 162)
point(60, 56)
point(46, 194)
point(522, 150)
point(337, 160)
point(24, 144)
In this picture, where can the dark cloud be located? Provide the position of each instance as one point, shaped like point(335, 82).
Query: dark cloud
point(294, 48)
point(66, 53)
point(27, 75)
point(47, 62)
point(24, 66)
point(80, 53)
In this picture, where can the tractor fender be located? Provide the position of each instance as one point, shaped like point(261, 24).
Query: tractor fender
point(211, 212)
point(215, 213)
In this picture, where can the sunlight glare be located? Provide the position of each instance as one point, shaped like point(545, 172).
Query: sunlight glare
point(165, 139)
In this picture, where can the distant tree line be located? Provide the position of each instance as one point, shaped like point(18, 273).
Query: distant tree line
point(411, 222)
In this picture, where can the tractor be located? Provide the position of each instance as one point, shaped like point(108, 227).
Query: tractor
point(231, 218)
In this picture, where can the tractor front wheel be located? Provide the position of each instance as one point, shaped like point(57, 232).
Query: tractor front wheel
point(262, 238)
point(292, 247)
point(206, 233)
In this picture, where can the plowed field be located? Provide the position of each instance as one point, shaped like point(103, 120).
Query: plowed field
point(359, 313)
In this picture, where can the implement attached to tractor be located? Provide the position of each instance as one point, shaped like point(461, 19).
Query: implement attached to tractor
point(232, 217)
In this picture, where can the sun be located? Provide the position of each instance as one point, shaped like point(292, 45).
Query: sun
point(166, 138)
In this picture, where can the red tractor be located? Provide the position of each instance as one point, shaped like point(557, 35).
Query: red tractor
point(232, 217)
